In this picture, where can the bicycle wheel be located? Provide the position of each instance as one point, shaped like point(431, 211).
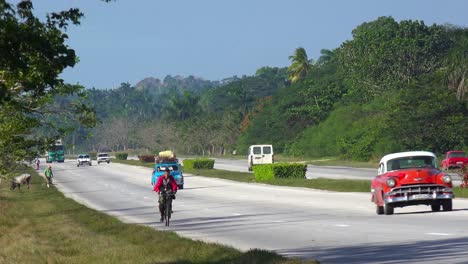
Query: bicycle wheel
point(168, 211)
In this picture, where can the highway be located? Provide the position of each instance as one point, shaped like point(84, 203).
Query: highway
point(332, 172)
point(329, 226)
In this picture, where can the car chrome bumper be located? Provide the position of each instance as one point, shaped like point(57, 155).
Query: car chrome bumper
point(419, 197)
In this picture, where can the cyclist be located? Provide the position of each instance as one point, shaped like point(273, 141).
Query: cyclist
point(165, 183)
point(48, 175)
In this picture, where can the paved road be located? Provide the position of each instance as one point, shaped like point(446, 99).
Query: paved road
point(334, 172)
point(332, 227)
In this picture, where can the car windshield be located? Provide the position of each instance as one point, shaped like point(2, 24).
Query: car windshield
point(103, 155)
point(86, 156)
point(411, 162)
point(457, 155)
point(171, 168)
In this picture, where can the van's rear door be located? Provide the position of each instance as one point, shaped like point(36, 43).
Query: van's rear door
point(267, 155)
point(257, 157)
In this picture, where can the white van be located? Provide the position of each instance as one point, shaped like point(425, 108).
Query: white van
point(260, 154)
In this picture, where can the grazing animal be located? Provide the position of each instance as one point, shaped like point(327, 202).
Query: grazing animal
point(21, 179)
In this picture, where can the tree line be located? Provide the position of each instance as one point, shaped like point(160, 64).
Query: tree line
point(394, 86)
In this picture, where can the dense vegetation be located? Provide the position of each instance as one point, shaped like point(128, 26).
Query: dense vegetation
point(33, 52)
point(394, 86)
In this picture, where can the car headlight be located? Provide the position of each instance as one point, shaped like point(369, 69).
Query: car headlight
point(447, 179)
point(391, 182)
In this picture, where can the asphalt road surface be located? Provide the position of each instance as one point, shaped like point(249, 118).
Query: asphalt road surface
point(331, 227)
point(333, 172)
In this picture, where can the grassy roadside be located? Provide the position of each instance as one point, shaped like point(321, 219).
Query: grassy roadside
point(342, 185)
point(40, 225)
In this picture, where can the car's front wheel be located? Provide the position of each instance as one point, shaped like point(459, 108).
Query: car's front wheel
point(388, 209)
point(379, 210)
point(435, 207)
point(447, 205)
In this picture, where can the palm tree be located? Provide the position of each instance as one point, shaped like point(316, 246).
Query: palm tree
point(300, 65)
point(457, 62)
point(326, 55)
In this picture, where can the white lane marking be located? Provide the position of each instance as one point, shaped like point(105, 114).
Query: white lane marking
point(439, 234)
point(236, 214)
point(341, 225)
point(146, 197)
point(278, 221)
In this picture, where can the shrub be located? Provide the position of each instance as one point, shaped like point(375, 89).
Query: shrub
point(279, 170)
point(121, 156)
point(146, 158)
point(198, 164)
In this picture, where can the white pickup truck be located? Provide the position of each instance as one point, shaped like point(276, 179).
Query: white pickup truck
point(103, 157)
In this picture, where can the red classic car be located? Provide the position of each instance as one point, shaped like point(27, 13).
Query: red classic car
point(411, 178)
point(454, 159)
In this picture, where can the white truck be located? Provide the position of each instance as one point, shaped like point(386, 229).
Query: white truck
point(103, 157)
point(260, 154)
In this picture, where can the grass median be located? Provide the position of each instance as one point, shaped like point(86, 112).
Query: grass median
point(337, 185)
point(41, 225)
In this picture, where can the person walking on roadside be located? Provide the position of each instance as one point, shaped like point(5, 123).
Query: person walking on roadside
point(37, 161)
point(49, 175)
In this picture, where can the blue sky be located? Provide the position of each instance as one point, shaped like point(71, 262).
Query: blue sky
point(126, 41)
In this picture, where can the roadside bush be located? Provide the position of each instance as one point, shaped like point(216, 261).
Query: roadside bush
point(93, 155)
point(121, 156)
point(266, 172)
point(146, 158)
point(198, 164)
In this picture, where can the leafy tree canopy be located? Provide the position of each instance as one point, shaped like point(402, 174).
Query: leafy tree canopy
point(33, 54)
point(385, 54)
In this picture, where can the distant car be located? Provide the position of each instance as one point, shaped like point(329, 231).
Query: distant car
point(103, 157)
point(175, 170)
point(411, 178)
point(83, 159)
point(260, 154)
point(454, 159)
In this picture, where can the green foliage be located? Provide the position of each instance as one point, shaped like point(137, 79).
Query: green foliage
point(292, 109)
point(146, 158)
point(385, 54)
point(201, 163)
point(121, 156)
point(300, 65)
point(33, 54)
point(351, 131)
point(428, 116)
point(265, 172)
